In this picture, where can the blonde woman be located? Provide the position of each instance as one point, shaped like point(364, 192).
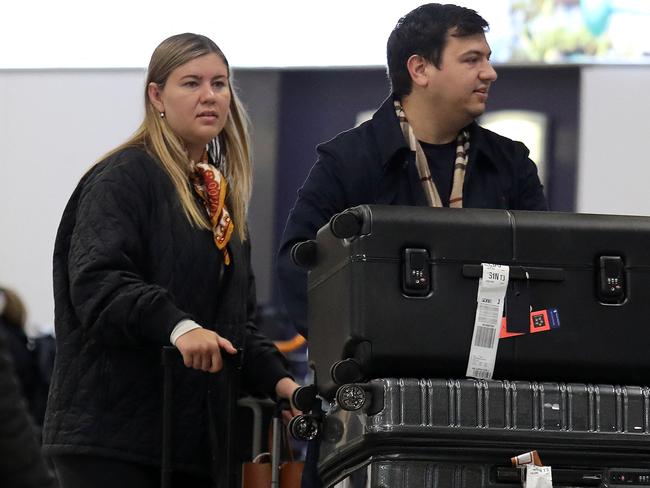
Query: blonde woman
point(153, 249)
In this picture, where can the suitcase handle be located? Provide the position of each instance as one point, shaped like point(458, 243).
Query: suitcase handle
point(529, 273)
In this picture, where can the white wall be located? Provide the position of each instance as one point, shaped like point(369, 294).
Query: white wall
point(614, 161)
point(253, 33)
point(53, 126)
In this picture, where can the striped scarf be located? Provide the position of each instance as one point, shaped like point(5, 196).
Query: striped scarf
point(430, 190)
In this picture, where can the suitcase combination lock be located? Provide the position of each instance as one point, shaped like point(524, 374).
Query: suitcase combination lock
point(416, 272)
point(611, 280)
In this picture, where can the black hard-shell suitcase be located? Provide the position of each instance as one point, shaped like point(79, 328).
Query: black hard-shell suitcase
point(589, 275)
point(462, 433)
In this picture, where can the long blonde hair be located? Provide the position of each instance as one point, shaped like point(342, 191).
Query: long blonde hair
point(155, 135)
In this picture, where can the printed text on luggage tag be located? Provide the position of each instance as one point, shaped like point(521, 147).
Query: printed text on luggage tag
point(487, 323)
point(538, 477)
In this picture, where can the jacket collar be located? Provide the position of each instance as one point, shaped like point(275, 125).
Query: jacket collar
point(390, 140)
point(480, 150)
point(391, 143)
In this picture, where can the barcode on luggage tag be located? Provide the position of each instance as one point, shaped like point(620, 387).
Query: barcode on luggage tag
point(484, 336)
point(485, 330)
point(482, 374)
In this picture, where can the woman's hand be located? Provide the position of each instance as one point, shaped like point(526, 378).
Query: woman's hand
point(284, 389)
point(201, 349)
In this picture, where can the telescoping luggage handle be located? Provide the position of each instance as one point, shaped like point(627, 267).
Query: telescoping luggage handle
point(274, 474)
point(170, 355)
point(276, 443)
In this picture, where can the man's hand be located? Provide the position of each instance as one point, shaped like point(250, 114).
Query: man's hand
point(201, 349)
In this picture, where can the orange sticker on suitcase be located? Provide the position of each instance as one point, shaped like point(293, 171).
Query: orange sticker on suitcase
point(539, 321)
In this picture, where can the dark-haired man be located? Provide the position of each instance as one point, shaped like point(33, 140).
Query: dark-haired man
point(422, 146)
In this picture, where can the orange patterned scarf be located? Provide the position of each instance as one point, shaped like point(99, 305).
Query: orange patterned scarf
point(211, 186)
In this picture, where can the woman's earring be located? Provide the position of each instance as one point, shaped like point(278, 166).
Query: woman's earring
point(162, 115)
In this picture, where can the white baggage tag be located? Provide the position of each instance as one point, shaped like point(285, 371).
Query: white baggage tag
point(538, 477)
point(487, 324)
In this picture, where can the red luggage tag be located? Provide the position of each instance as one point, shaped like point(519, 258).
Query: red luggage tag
point(504, 333)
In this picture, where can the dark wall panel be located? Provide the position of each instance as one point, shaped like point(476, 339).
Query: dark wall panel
point(315, 105)
point(556, 93)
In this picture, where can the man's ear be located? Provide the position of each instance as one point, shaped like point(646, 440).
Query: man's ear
point(417, 68)
point(154, 92)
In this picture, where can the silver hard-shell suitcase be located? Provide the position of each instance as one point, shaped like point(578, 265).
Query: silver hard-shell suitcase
point(462, 433)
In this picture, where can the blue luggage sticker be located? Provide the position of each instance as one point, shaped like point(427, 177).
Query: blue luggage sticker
point(554, 318)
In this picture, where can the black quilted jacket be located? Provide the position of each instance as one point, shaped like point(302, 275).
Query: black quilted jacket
point(128, 266)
